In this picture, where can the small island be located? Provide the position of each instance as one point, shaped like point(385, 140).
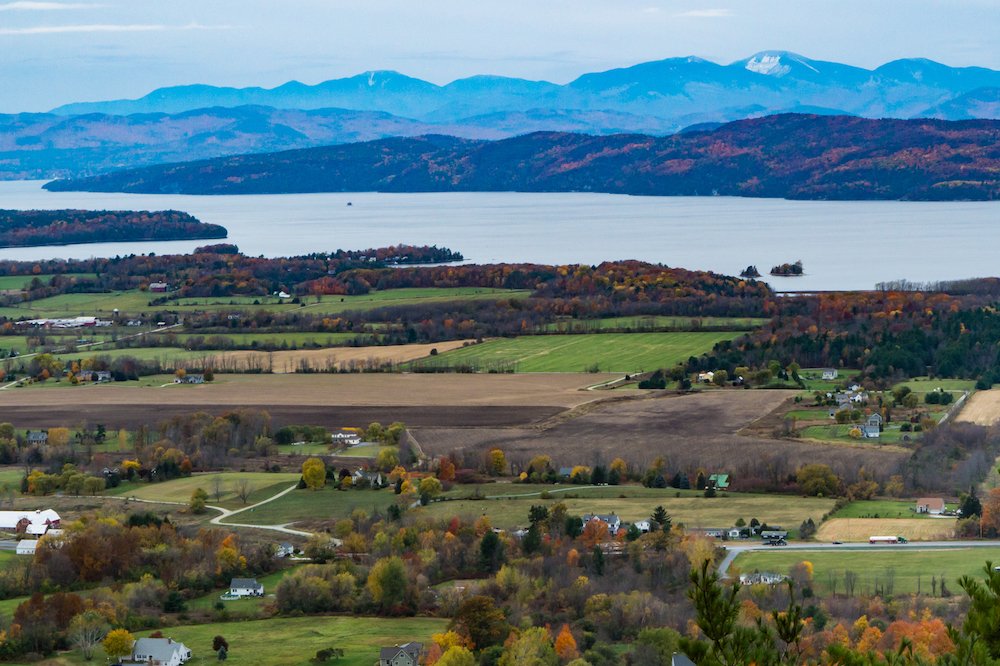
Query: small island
point(750, 272)
point(788, 270)
point(29, 228)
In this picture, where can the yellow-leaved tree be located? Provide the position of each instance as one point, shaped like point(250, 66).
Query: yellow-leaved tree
point(314, 473)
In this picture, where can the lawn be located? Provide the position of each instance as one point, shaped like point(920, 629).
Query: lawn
point(653, 323)
point(608, 352)
point(265, 484)
point(294, 641)
point(363, 451)
point(245, 607)
point(840, 433)
point(910, 568)
point(326, 504)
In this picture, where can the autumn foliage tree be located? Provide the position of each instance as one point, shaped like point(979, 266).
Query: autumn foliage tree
point(314, 473)
point(565, 645)
point(118, 643)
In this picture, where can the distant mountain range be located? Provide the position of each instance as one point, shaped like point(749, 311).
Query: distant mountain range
point(683, 91)
point(655, 98)
point(788, 155)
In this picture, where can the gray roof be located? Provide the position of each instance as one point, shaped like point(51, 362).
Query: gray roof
point(161, 649)
point(245, 582)
point(413, 649)
point(681, 660)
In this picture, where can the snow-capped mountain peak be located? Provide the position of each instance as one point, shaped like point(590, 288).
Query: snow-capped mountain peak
point(776, 63)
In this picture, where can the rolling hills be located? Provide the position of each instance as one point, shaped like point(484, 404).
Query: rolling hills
point(789, 155)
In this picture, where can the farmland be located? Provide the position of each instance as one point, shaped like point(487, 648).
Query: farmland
point(699, 429)
point(882, 508)
point(609, 352)
point(860, 529)
point(983, 408)
point(910, 569)
point(326, 359)
point(136, 302)
point(650, 323)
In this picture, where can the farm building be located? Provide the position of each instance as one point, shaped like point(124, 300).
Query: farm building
point(933, 506)
point(407, 654)
point(830, 373)
point(246, 587)
point(613, 522)
point(158, 287)
point(190, 379)
point(26, 547)
point(28, 522)
point(643, 526)
point(159, 651)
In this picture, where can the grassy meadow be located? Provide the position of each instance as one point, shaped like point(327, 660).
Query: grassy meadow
point(909, 568)
point(608, 352)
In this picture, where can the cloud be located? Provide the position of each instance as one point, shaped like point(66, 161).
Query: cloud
point(705, 13)
point(106, 27)
point(45, 6)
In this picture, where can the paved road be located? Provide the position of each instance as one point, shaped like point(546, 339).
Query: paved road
point(732, 552)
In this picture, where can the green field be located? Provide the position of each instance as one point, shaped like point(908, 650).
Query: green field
point(287, 339)
point(882, 508)
point(17, 282)
point(293, 641)
point(909, 568)
point(265, 484)
point(654, 323)
point(691, 509)
point(325, 504)
point(925, 385)
point(246, 607)
point(608, 352)
point(136, 302)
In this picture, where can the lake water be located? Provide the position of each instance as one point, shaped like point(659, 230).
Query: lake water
point(843, 245)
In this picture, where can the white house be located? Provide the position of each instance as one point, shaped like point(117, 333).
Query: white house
point(36, 522)
point(285, 549)
point(246, 587)
point(160, 652)
point(829, 373)
point(26, 546)
point(872, 427)
point(642, 525)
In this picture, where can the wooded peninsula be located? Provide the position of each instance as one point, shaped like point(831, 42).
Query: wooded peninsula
point(27, 228)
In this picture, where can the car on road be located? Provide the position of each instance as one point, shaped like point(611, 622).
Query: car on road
point(837, 543)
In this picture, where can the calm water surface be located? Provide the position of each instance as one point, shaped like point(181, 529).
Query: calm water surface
point(843, 245)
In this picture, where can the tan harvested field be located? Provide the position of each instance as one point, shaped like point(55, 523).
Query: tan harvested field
point(859, 529)
point(333, 400)
point(333, 357)
point(983, 408)
point(690, 431)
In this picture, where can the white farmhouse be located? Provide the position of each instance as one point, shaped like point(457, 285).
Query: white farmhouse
point(246, 587)
point(159, 652)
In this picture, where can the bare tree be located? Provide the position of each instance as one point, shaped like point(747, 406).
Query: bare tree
point(217, 487)
point(244, 490)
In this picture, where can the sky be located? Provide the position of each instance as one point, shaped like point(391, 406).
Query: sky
point(57, 52)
